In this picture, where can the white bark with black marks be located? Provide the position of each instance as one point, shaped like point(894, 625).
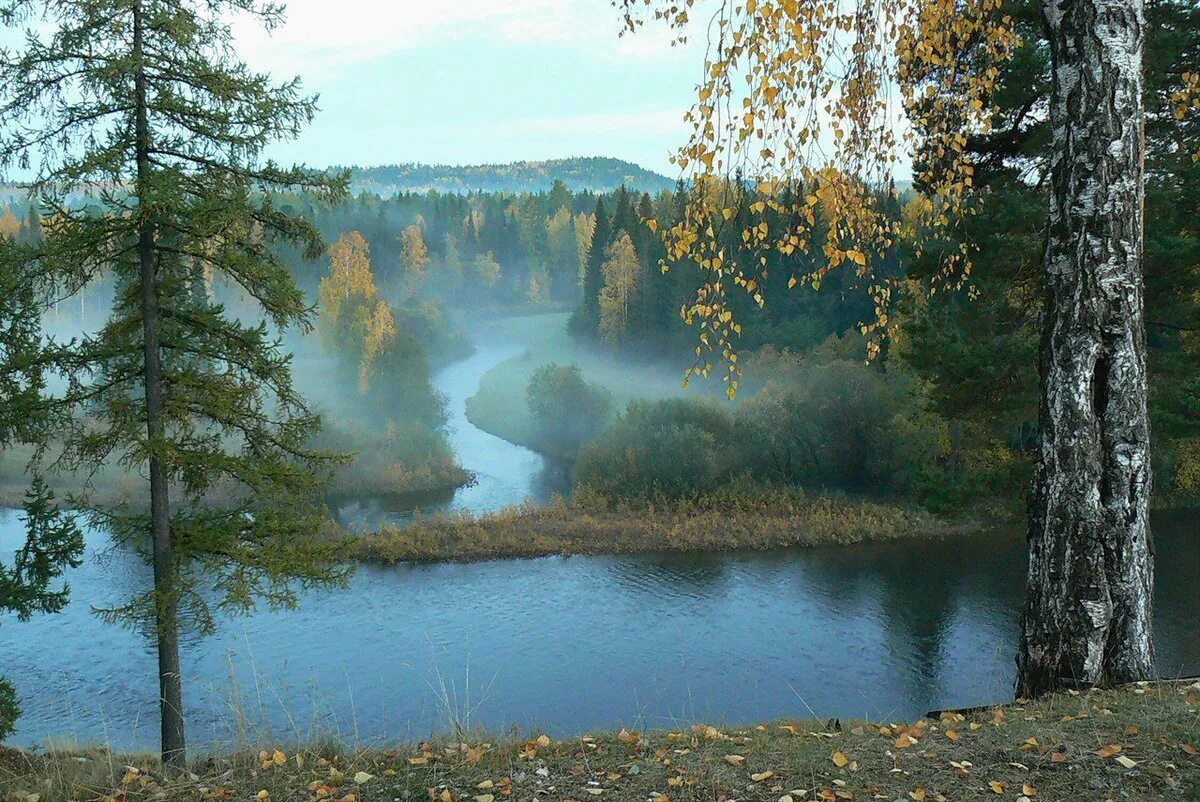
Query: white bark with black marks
point(1087, 610)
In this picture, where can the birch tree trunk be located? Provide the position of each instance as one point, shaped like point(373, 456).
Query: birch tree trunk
point(1087, 609)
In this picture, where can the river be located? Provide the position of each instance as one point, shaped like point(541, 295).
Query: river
point(567, 644)
point(504, 473)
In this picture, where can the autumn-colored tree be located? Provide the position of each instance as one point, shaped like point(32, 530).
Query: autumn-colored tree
point(378, 329)
point(485, 269)
point(585, 322)
point(585, 228)
point(563, 253)
point(538, 291)
point(414, 257)
point(353, 318)
point(797, 98)
point(10, 226)
point(621, 271)
point(348, 286)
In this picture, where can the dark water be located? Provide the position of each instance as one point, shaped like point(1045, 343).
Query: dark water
point(568, 644)
point(571, 644)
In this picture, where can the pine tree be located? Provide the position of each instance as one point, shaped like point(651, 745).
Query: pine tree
point(140, 107)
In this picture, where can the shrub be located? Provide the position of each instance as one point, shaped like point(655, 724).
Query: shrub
point(9, 709)
point(440, 341)
point(566, 409)
point(670, 448)
point(845, 425)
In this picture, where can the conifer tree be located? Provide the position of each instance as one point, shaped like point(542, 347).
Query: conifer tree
point(140, 108)
point(625, 218)
point(53, 541)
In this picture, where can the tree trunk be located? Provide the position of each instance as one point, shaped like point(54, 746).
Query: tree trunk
point(174, 756)
point(1087, 608)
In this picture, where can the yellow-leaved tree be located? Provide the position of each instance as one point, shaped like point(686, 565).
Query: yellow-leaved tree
point(621, 270)
point(353, 317)
point(414, 256)
point(806, 109)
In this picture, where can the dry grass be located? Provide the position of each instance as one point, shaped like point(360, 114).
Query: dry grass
point(1137, 743)
point(731, 519)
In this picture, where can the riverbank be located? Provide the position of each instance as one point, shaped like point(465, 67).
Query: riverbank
point(498, 405)
point(732, 519)
point(1141, 742)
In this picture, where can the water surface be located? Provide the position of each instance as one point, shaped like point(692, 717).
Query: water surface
point(573, 644)
point(568, 644)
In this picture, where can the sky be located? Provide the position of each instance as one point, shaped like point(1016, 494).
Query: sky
point(478, 81)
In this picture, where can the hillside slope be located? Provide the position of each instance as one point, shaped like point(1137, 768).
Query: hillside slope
point(593, 173)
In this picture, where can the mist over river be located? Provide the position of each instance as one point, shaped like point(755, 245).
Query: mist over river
point(565, 643)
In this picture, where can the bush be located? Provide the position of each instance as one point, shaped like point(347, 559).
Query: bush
point(440, 341)
point(671, 448)
point(566, 410)
point(399, 459)
point(9, 709)
point(845, 425)
point(401, 387)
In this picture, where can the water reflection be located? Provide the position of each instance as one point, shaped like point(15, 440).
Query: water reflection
point(886, 630)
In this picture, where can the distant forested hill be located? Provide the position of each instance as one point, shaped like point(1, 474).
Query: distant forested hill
point(583, 174)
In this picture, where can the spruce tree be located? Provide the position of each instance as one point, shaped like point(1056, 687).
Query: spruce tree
point(625, 218)
point(146, 137)
point(646, 324)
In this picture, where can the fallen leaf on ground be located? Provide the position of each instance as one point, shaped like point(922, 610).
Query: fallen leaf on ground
point(762, 775)
point(839, 759)
point(734, 760)
point(1108, 750)
point(997, 786)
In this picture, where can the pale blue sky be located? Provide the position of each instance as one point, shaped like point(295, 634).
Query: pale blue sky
point(476, 81)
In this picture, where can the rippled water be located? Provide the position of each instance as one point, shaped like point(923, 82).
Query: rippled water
point(569, 644)
point(577, 643)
